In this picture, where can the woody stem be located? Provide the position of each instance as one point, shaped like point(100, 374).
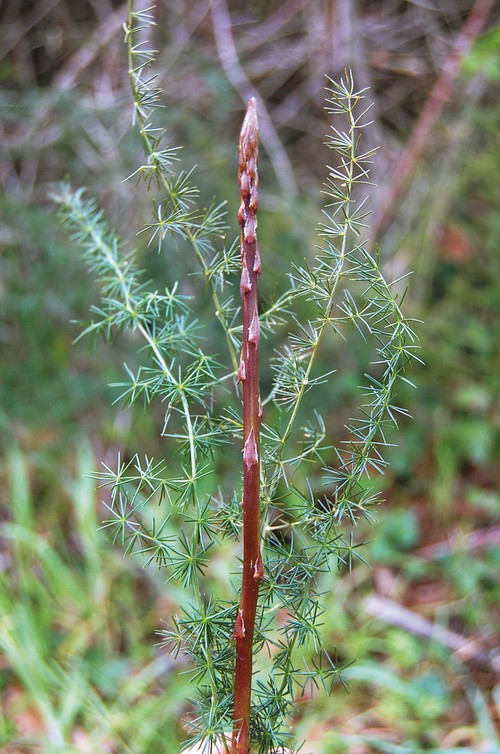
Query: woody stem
point(248, 375)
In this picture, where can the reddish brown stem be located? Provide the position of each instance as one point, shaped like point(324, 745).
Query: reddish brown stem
point(248, 375)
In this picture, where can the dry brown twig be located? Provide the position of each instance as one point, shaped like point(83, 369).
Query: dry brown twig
point(68, 76)
point(228, 56)
point(475, 540)
point(431, 112)
point(396, 615)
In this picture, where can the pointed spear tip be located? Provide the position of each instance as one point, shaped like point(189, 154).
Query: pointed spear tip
point(249, 136)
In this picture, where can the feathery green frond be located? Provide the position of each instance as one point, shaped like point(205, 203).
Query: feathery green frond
point(179, 514)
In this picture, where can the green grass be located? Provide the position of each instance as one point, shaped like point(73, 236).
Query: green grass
point(80, 670)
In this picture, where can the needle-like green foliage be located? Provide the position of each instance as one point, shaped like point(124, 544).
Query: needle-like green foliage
point(306, 525)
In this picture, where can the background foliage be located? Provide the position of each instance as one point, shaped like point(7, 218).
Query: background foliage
point(79, 668)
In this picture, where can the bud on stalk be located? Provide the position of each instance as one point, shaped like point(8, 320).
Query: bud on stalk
point(248, 375)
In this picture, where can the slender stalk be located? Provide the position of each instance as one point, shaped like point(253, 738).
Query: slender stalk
point(248, 375)
point(150, 148)
point(335, 278)
point(154, 347)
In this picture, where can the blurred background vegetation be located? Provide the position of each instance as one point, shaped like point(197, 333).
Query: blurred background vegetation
point(79, 668)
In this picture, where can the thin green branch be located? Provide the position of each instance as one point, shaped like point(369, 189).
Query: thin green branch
point(138, 59)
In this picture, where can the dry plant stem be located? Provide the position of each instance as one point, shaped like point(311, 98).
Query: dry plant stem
point(248, 375)
point(466, 650)
point(434, 106)
point(68, 76)
point(228, 56)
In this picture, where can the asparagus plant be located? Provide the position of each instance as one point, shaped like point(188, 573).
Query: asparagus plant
point(254, 651)
point(248, 375)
